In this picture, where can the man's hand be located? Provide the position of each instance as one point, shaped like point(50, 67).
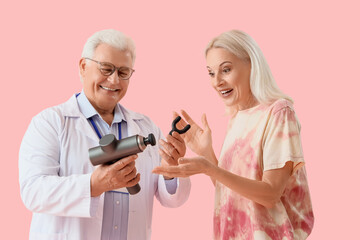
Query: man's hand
point(172, 150)
point(108, 177)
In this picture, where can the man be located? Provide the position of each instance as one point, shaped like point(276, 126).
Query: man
point(69, 198)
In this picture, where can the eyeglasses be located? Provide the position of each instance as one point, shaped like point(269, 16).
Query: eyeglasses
point(107, 69)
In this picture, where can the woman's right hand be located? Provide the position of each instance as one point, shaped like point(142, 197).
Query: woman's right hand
point(197, 139)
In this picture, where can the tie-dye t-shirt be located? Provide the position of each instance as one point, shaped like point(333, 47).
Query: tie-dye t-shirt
point(262, 138)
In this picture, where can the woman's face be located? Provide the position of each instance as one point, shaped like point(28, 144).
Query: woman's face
point(230, 77)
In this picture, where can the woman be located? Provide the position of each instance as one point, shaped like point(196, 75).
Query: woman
point(260, 178)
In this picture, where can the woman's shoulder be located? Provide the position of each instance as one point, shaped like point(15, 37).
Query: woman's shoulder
point(280, 104)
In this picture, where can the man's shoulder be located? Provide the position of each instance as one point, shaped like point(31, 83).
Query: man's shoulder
point(58, 112)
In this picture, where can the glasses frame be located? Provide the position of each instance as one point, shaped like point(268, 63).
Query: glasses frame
point(113, 69)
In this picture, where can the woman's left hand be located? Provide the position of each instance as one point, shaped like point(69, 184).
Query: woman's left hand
point(187, 167)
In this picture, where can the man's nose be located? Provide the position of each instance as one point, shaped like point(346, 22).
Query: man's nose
point(114, 77)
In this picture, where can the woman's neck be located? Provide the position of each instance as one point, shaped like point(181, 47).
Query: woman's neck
point(249, 103)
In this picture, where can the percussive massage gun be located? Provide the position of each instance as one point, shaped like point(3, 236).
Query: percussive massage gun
point(111, 150)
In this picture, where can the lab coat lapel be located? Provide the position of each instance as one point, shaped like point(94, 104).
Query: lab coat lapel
point(71, 109)
point(83, 126)
point(131, 118)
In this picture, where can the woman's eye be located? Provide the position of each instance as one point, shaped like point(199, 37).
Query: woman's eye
point(211, 74)
point(226, 70)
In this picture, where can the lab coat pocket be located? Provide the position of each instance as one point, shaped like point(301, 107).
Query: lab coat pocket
point(48, 236)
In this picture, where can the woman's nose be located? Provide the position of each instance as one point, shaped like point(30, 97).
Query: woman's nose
point(218, 80)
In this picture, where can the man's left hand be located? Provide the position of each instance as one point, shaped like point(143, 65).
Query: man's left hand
point(172, 150)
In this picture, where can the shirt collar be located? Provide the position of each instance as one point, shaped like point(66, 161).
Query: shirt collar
point(89, 111)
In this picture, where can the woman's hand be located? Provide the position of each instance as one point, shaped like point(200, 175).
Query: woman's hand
point(187, 167)
point(197, 139)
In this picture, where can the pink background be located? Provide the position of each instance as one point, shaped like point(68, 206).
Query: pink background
point(312, 48)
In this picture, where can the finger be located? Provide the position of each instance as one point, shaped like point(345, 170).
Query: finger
point(181, 124)
point(133, 181)
point(170, 149)
point(170, 174)
point(123, 162)
point(167, 158)
point(184, 160)
point(175, 115)
point(187, 117)
point(128, 169)
point(128, 177)
point(166, 169)
point(176, 141)
point(205, 122)
point(175, 137)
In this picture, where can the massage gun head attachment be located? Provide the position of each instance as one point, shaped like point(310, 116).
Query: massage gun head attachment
point(175, 129)
point(150, 140)
point(108, 143)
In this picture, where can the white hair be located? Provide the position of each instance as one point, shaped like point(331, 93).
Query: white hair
point(111, 37)
point(262, 83)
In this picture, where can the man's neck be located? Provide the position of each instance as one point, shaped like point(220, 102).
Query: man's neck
point(107, 116)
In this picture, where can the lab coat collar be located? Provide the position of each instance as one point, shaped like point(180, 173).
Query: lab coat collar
point(71, 109)
point(132, 119)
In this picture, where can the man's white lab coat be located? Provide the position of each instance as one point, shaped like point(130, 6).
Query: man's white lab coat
point(55, 171)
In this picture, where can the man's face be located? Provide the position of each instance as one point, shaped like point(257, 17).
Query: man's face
point(104, 92)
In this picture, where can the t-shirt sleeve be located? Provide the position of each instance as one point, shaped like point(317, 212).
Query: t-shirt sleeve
point(282, 141)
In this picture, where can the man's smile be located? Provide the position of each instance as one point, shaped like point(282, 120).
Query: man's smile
point(109, 89)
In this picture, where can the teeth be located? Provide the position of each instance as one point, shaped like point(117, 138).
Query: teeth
point(109, 89)
point(227, 91)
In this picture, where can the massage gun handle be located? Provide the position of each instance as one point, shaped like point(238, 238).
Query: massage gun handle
point(134, 189)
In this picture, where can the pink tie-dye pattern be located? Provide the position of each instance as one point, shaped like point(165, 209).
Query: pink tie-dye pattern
point(280, 118)
point(285, 136)
point(233, 223)
point(299, 196)
point(237, 217)
point(241, 157)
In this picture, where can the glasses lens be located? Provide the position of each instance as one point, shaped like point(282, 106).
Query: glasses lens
point(124, 72)
point(106, 69)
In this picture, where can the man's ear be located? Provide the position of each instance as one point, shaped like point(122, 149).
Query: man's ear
point(82, 66)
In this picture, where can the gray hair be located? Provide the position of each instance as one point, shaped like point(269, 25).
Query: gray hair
point(262, 83)
point(111, 37)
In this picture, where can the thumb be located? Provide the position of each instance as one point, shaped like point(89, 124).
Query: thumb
point(183, 160)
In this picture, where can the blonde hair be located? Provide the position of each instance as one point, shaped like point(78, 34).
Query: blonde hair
point(262, 83)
